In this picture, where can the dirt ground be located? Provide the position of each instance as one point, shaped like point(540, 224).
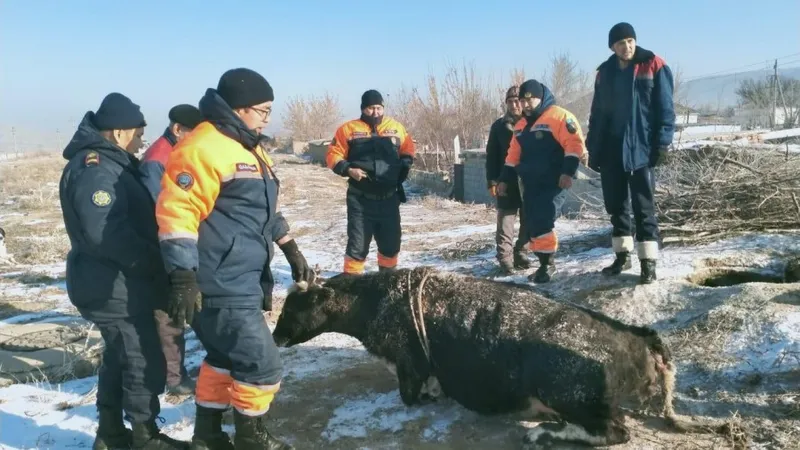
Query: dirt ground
point(334, 396)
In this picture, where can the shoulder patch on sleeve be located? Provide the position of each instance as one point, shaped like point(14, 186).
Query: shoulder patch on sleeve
point(101, 198)
point(92, 159)
point(184, 180)
point(572, 127)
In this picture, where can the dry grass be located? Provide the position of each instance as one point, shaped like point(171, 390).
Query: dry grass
point(466, 248)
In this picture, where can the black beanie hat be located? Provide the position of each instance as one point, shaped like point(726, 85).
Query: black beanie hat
point(371, 97)
point(187, 115)
point(118, 112)
point(531, 88)
point(242, 87)
point(622, 30)
point(512, 92)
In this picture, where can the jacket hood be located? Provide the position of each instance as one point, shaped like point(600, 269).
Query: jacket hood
point(87, 136)
point(548, 100)
point(219, 113)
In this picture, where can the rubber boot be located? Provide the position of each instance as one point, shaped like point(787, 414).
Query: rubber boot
point(546, 270)
point(111, 431)
point(147, 436)
point(648, 274)
point(386, 269)
point(208, 434)
point(252, 434)
point(521, 261)
point(621, 263)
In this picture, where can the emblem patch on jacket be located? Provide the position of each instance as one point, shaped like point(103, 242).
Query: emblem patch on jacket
point(184, 180)
point(244, 167)
point(91, 159)
point(101, 198)
point(572, 127)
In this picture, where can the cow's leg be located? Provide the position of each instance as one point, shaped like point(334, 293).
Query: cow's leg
point(411, 381)
point(594, 433)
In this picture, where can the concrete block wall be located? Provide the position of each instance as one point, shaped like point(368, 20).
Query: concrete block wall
point(585, 187)
point(475, 190)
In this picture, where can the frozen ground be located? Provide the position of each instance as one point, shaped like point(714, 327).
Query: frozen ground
point(737, 345)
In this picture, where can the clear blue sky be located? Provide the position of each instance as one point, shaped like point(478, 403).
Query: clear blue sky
point(59, 58)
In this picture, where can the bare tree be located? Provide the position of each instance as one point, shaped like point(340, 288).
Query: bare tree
point(761, 96)
point(571, 86)
point(313, 117)
point(462, 104)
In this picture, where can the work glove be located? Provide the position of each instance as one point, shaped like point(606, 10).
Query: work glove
point(658, 156)
point(300, 269)
point(184, 296)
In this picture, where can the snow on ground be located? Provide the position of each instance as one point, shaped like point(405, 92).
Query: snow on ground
point(335, 395)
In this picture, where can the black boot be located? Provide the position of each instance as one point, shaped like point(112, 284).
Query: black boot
point(546, 270)
point(146, 436)
point(386, 269)
point(252, 434)
point(208, 434)
point(648, 274)
point(621, 263)
point(111, 432)
point(521, 261)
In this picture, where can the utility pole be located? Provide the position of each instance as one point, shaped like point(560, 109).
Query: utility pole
point(14, 135)
point(774, 94)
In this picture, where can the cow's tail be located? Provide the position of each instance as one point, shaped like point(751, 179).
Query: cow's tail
point(666, 370)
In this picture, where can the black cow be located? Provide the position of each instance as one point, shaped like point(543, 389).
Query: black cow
point(494, 348)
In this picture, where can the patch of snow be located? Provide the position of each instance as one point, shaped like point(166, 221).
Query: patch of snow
point(386, 412)
point(771, 348)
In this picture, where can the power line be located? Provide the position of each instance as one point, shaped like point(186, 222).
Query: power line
point(726, 71)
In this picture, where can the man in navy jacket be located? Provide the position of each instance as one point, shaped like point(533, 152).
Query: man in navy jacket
point(631, 126)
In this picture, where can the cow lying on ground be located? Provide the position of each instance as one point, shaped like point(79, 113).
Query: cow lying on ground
point(494, 348)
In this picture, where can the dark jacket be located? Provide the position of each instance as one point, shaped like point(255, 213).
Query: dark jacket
point(154, 160)
point(652, 113)
point(500, 135)
point(114, 267)
point(546, 145)
point(216, 209)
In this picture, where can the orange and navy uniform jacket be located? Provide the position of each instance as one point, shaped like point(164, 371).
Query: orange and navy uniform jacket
point(154, 160)
point(215, 213)
point(545, 146)
point(650, 107)
point(385, 153)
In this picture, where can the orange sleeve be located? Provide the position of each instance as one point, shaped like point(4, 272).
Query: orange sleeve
point(190, 186)
point(338, 148)
point(514, 150)
point(569, 135)
point(407, 147)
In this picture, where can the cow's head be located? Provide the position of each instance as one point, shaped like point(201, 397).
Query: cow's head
point(306, 314)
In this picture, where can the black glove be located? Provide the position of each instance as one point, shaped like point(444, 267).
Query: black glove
point(184, 296)
point(405, 168)
point(659, 156)
point(300, 269)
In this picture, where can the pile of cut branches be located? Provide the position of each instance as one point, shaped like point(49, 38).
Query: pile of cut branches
point(715, 191)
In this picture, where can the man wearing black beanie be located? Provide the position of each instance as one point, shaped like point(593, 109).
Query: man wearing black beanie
point(631, 126)
point(217, 218)
point(115, 273)
point(543, 158)
point(183, 119)
point(376, 154)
